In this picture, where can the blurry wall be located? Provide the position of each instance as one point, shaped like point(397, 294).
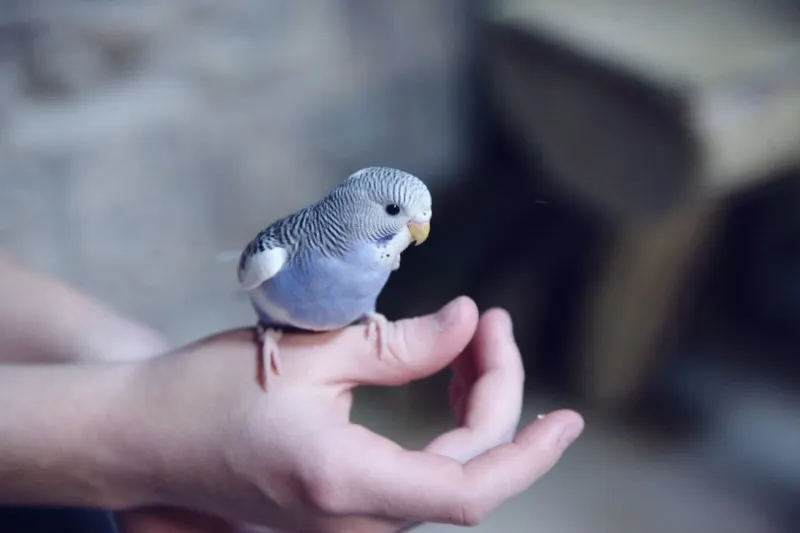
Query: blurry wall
point(139, 139)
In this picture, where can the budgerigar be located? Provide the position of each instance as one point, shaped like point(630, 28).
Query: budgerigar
point(323, 267)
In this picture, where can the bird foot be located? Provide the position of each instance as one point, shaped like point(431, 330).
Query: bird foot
point(268, 357)
point(376, 326)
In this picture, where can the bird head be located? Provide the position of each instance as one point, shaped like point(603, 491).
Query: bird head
point(386, 201)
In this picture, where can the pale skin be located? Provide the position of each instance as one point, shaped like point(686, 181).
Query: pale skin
point(171, 440)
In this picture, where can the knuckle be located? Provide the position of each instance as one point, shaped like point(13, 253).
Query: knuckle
point(323, 488)
point(398, 342)
point(467, 512)
point(548, 450)
point(469, 516)
point(322, 496)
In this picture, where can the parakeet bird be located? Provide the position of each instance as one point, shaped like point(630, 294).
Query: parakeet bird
point(323, 267)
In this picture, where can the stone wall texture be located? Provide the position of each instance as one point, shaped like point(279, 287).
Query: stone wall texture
point(140, 139)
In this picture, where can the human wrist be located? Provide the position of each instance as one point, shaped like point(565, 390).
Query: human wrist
point(181, 427)
point(59, 437)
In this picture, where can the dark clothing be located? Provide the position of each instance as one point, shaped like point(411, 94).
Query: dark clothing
point(55, 520)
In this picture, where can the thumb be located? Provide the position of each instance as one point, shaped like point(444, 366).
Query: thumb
point(413, 348)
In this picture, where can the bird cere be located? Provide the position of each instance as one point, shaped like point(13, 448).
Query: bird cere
point(323, 267)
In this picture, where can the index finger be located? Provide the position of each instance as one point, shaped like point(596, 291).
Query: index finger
point(382, 479)
point(493, 404)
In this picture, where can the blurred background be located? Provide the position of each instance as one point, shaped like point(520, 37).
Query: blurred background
point(621, 175)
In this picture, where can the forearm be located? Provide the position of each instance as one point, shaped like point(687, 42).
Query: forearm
point(59, 444)
point(42, 320)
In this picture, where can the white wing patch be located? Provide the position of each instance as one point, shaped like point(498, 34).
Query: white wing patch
point(261, 266)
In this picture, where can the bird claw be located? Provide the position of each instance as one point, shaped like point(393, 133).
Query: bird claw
point(376, 326)
point(268, 357)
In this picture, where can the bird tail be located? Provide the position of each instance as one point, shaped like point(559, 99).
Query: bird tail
point(230, 256)
point(227, 256)
point(240, 295)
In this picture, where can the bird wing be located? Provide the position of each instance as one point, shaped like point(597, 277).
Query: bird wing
point(263, 257)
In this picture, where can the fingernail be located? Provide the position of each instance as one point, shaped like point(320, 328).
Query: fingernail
point(540, 416)
point(447, 315)
point(570, 433)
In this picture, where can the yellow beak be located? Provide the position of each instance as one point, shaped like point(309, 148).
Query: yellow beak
point(419, 231)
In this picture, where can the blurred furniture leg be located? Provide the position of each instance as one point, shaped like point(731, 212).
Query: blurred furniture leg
point(651, 119)
point(638, 298)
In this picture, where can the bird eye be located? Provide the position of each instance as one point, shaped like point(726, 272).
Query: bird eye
point(393, 209)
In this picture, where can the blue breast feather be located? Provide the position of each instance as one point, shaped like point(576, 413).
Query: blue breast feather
point(324, 293)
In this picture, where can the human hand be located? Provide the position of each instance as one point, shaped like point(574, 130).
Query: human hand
point(291, 460)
